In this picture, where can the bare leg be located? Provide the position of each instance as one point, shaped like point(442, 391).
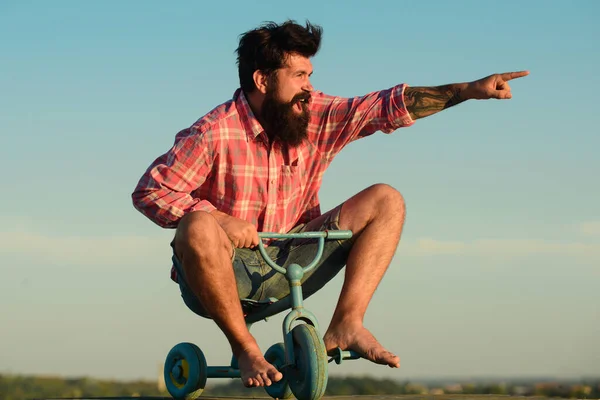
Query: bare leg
point(376, 216)
point(205, 253)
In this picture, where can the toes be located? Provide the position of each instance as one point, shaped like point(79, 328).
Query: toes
point(259, 380)
point(265, 379)
point(254, 382)
point(271, 376)
point(278, 376)
point(383, 357)
point(393, 360)
point(275, 375)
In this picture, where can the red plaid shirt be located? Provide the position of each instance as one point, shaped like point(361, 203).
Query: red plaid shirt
point(224, 161)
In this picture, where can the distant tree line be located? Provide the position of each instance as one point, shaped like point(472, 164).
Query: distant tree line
point(19, 387)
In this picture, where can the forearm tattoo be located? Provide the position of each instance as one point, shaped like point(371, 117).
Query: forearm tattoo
point(424, 101)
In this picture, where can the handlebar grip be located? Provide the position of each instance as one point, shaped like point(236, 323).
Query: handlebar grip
point(339, 234)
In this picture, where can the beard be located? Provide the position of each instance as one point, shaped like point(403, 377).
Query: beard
point(282, 122)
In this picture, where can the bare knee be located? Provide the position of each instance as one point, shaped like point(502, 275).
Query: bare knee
point(199, 233)
point(386, 200)
point(379, 202)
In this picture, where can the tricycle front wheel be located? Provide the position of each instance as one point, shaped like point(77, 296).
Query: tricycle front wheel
point(308, 376)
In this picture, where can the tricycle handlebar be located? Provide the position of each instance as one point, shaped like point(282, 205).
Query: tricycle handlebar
point(322, 236)
point(307, 235)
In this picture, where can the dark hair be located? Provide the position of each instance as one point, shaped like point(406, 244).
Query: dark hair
point(266, 48)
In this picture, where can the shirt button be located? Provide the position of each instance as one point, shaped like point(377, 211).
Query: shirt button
point(272, 181)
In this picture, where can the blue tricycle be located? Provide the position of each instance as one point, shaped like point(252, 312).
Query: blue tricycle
point(301, 357)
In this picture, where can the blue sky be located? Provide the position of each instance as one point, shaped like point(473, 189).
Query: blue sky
point(498, 270)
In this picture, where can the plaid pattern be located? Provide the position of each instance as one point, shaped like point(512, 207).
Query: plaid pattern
point(223, 161)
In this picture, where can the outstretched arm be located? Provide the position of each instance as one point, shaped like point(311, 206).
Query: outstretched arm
point(424, 101)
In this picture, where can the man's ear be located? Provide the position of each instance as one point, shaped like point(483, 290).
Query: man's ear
point(260, 81)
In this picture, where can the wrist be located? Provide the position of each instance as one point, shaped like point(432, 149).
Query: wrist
point(463, 91)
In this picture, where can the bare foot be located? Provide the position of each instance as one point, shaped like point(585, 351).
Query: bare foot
point(255, 370)
point(356, 337)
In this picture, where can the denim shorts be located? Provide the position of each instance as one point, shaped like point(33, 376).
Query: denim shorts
point(258, 282)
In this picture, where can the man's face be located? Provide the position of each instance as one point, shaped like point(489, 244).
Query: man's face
point(285, 108)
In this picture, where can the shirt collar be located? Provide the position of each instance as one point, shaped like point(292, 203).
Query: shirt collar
point(249, 120)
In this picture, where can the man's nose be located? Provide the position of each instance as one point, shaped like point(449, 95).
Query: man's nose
point(308, 87)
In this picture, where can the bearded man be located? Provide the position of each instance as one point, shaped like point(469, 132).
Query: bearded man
point(255, 164)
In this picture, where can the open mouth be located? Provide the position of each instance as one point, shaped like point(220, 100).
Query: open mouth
point(299, 104)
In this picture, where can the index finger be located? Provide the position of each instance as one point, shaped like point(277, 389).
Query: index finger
point(507, 76)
